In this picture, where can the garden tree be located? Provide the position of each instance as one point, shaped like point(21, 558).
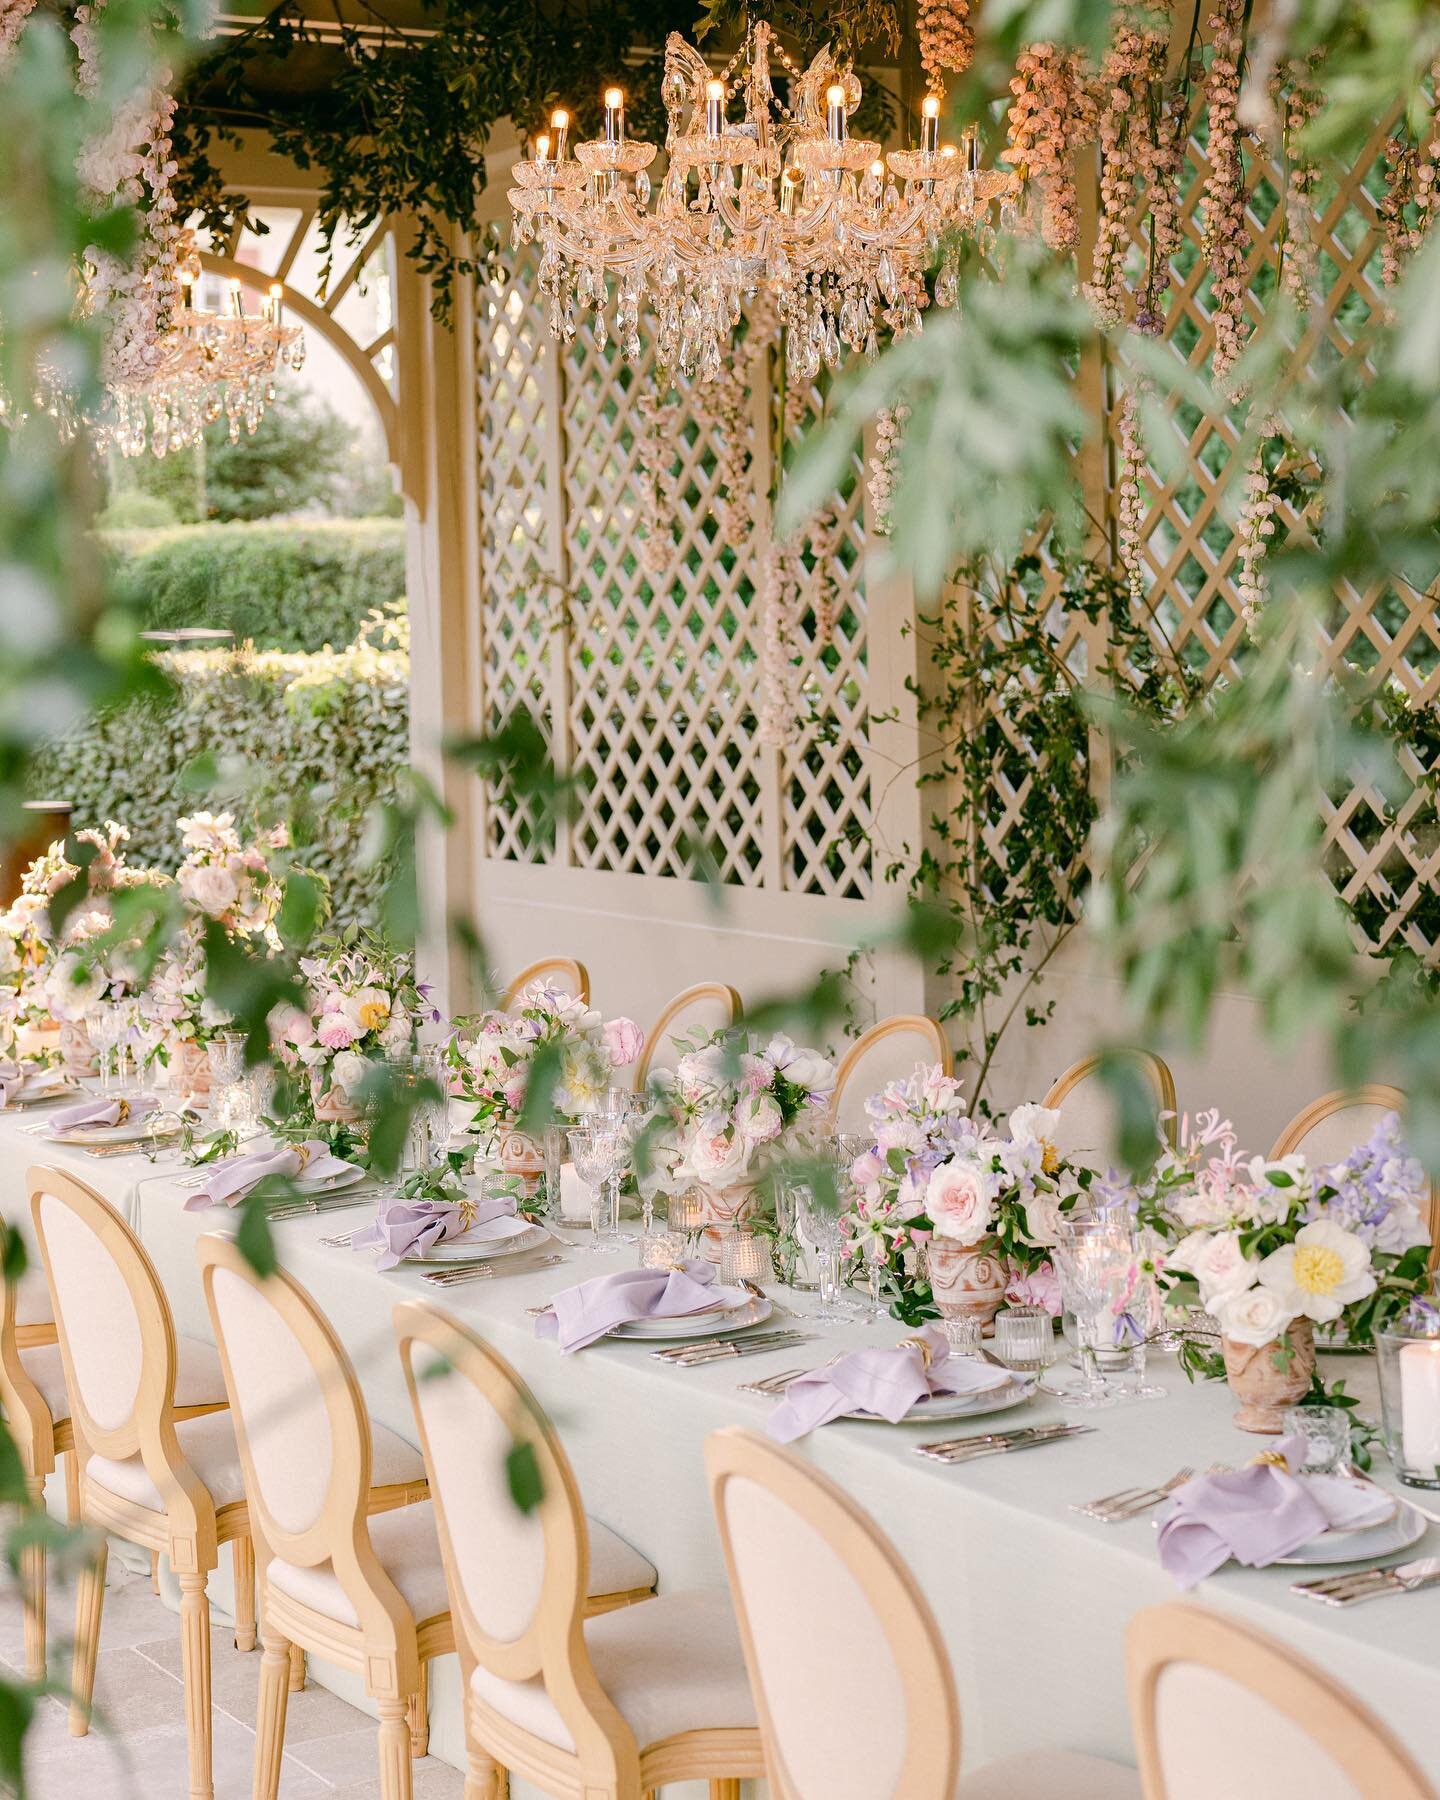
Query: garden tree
point(291, 462)
point(177, 480)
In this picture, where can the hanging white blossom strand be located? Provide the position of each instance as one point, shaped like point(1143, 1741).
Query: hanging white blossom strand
point(1226, 238)
point(780, 608)
point(885, 465)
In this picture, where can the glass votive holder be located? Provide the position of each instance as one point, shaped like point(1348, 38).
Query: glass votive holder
point(1326, 1430)
point(745, 1256)
point(1408, 1352)
point(962, 1335)
point(1024, 1337)
point(685, 1213)
point(662, 1249)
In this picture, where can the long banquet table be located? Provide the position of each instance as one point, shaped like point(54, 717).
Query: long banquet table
point(1032, 1598)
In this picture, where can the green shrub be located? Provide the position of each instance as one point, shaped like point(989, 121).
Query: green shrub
point(292, 586)
point(134, 511)
point(319, 738)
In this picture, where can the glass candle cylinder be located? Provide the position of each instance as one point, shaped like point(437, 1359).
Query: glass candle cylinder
point(1409, 1357)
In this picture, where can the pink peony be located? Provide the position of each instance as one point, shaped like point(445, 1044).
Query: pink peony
point(868, 1166)
point(1039, 1288)
point(961, 1198)
point(336, 1032)
point(623, 1040)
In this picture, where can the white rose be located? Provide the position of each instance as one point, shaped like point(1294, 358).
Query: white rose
point(808, 1069)
point(71, 990)
point(960, 1198)
point(1033, 1123)
point(348, 1070)
point(1255, 1315)
point(1043, 1219)
point(1321, 1273)
point(209, 887)
point(718, 1155)
point(1221, 1267)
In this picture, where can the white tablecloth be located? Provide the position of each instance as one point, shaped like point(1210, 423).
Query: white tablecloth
point(1033, 1599)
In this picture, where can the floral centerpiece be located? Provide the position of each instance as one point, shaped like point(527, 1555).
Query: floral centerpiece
point(1274, 1250)
point(734, 1108)
point(364, 1004)
point(551, 1037)
point(983, 1205)
point(226, 882)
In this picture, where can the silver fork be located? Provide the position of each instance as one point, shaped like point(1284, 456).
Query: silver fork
point(1370, 1584)
point(772, 1384)
point(338, 1243)
point(486, 1271)
point(1114, 1510)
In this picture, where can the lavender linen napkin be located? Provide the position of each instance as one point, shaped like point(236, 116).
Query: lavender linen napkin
point(1255, 1514)
point(887, 1382)
point(231, 1181)
point(581, 1314)
point(12, 1079)
point(96, 1114)
point(410, 1227)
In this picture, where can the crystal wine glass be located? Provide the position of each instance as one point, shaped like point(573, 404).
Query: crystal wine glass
point(819, 1224)
point(1093, 1258)
point(596, 1151)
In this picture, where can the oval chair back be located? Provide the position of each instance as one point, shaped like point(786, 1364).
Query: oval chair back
point(890, 1050)
point(517, 1580)
point(1085, 1109)
point(562, 972)
point(850, 1675)
point(117, 1341)
point(704, 1009)
point(1331, 1127)
point(1219, 1708)
point(303, 1434)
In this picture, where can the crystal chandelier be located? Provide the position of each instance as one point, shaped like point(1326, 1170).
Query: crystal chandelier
point(782, 200)
point(210, 365)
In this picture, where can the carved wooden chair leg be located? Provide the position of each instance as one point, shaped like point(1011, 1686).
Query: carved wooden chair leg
point(195, 1668)
point(297, 1668)
point(32, 1588)
point(89, 1601)
point(418, 1713)
point(395, 1780)
point(725, 1789)
point(242, 1562)
point(154, 1571)
point(270, 1716)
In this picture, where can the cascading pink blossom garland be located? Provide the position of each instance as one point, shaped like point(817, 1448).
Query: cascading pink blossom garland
point(1130, 152)
point(884, 465)
point(1300, 257)
point(947, 40)
point(128, 162)
point(1254, 528)
point(1227, 239)
point(1053, 109)
point(1410, 181)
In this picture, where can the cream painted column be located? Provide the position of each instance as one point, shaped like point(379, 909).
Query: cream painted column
point(437, 459)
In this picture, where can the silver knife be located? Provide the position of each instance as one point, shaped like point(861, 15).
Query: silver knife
point(684, 1353)
point(729, 1351)
point(1370, 1584)
point(1046, 1435)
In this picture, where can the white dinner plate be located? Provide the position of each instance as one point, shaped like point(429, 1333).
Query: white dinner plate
point(482, 1249)
point(1407, 1527)
point(717, 1322)
point(45, 1090)
point(935, 1408)
point(133, 1131)
point(328, 1184)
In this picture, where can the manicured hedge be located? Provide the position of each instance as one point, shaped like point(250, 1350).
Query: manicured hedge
point(327, 732)
point(292, 586)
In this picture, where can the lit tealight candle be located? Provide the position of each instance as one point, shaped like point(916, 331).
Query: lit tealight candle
point(714, 108)
point(835, 112)
point(614, 116)
point(929, 125)
point(1420, 1406)
point(560, 125)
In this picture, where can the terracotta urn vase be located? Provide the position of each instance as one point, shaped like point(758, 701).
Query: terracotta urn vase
point(1265, 1380)
point(967, 1280)
point(332, 1103)
point(77, 1053)
point(722, 1210)
point(190, 1072)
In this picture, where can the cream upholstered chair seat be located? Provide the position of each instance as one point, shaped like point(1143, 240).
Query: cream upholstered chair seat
point(198, 1381)
point(409, 1553)
point(209, 1446)
point(1051, 1775)
point(669, 1666)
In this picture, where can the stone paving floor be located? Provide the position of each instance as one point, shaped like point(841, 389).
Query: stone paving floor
point(136, 1745)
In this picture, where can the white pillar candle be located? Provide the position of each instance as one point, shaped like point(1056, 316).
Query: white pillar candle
point(575, 1194)
point(1420, 1405)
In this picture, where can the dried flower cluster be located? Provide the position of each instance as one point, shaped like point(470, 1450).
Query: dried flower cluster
point(1226, 237)
point(947, 40)
point(1053, 109)
point(1130, 487)
point(1137, 144)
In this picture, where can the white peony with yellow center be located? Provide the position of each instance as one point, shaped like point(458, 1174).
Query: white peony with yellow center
point(1325, 1270)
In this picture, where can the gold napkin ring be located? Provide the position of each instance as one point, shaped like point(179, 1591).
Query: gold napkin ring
point(467, 1209)
point(1272, 1458)
point(303, 1152)
point(122, 1111)
point(923, 1345)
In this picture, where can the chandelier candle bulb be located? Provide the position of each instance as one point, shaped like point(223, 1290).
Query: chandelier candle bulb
point(560, 125)
point(614, 116)
point(835, 112)
point(789, 192)
point(237, 300)
point(929, 126)
point(276, 309)
point(714, 108)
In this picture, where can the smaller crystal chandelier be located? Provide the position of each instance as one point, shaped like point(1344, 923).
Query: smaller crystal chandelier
point(782, 200)
point(210, 365)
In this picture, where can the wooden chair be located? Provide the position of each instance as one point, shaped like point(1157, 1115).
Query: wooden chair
point(887, 1051)
point(851, 1679)
point(154, 1446)
point(606, 1708)
point(707, 1007)
point(1219, 1709)
point(1084, 1104)
point(560, 971)
point(349, 1564)
point(1332, 1126)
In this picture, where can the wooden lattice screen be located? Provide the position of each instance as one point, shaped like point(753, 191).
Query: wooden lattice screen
point(646, 682)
